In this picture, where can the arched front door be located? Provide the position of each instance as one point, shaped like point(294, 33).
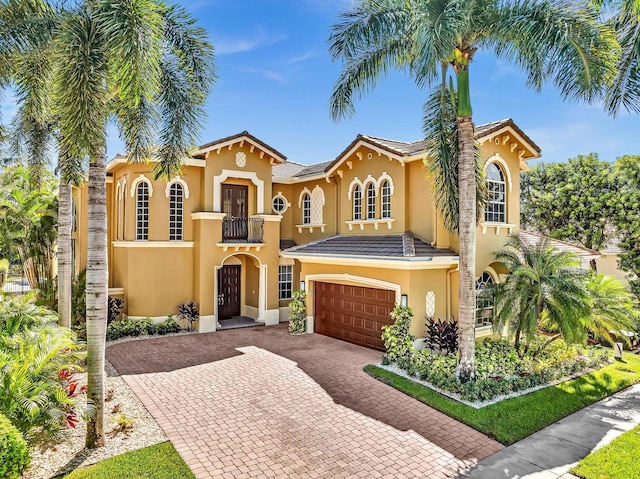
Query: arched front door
point(229, 291)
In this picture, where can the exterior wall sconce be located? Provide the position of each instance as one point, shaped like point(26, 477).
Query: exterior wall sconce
point(302, 286)
point(404, 300)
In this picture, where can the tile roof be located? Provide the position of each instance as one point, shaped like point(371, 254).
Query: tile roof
point(398, 246)
point(532, 239)
point(288, 169)
point(286, 243)
point(239, 135)
point(488, 128)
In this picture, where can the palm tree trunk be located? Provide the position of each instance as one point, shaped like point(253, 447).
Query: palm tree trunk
point(467, 249)
point(97, 292)
point(64, 254)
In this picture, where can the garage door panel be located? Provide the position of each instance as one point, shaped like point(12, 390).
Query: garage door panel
point(352, 313)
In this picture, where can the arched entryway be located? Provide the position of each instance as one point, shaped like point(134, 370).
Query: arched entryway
point(240, 288)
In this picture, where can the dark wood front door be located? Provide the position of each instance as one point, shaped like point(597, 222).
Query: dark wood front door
point(229, 291)
point(352, 313)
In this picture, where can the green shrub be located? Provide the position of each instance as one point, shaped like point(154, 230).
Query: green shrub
point(14, 452)
point(33, 394)
point(500, 370)
point(398, 341)
point(79, 305)
point(297, 313)
point(129, 327)
point(168, 326)
point(18, 316)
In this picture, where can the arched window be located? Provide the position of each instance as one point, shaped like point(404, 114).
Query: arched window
point(357, 203)
point(306, 209)
point(142, 211)
point(176, 216)
point(371, 201)
point(483, 304)
point(495, 211)
point(385, 190)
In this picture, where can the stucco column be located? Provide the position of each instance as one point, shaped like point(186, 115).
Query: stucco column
point(262, 293)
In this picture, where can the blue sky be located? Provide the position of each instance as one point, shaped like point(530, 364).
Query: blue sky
point(275, 79)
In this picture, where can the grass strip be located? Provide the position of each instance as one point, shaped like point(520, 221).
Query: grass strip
point(514, 419)
point(161, 461)
point(616, 460)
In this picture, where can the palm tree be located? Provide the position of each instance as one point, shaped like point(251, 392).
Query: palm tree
point(143, 63)
point(625, 88)
point(548, 39)
point(545, 288)
point(612, 309)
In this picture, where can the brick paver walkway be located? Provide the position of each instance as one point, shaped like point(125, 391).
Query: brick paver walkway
point(260, 403)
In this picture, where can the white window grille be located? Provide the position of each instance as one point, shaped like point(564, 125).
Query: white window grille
point(285, 281)
point(176, 213)
point(386, 199)
point(142, 211)
point(357, 203)
point(495, 211)
point(306, 209)
point(483, 305)
point(371, 201)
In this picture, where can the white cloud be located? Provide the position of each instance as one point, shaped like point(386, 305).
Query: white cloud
point(258, 39)
point(269, 74)
point(503, 69)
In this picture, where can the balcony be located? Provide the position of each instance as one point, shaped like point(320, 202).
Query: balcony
point(242, 230)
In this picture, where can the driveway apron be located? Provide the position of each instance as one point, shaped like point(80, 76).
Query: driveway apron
point(260, 403)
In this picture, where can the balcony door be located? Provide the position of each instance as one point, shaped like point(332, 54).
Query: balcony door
point(234, 204)
point(234, 200)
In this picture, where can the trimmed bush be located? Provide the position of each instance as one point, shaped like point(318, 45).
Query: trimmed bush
point(129, 327)
point(297, 313)
point(398, 341)
point(168, 326)
point(14, 452)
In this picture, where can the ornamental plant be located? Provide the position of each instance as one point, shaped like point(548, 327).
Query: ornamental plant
point(114, 306)
point(442, 336)
point(398, 341)
point(189, 312)
point(14, 452)
point(297, 313)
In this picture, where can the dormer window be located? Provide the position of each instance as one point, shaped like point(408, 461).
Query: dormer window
point(496, 209)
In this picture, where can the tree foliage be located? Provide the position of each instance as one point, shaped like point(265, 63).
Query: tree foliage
point(570, 201)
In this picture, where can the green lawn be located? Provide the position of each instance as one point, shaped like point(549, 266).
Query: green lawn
point(514, 419)
point(161, 461)
point(617, 460)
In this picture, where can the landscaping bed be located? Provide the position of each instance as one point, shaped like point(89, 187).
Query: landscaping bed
point(514, 419)
point(501, 372)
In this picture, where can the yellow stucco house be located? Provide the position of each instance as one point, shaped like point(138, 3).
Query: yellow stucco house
point(242, 227)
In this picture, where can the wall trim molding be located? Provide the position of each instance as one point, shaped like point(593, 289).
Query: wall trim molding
point(152, 244)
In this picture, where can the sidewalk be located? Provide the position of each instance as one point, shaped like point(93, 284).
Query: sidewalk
point(551, 452)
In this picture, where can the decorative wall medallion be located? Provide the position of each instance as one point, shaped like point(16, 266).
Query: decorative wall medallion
point(241, 159)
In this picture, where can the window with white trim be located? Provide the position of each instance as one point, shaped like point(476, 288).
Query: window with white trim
point(483, 305)
point(357, 203)
point(385, 190)
point(496, 208)
point(285, 281)
point(279, 204)
point(306, 209)
point(371, 201)
point(176, 212)
point(142, 211)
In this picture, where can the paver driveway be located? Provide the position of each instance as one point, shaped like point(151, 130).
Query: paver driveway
point(260, 403)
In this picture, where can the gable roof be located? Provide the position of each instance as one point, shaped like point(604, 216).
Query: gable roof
point(533, 239)
point(401, 150)
point(239, 138)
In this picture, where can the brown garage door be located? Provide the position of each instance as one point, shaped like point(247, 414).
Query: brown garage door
point(352, 313)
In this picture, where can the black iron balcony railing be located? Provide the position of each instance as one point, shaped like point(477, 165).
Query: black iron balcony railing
point(242, 230)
